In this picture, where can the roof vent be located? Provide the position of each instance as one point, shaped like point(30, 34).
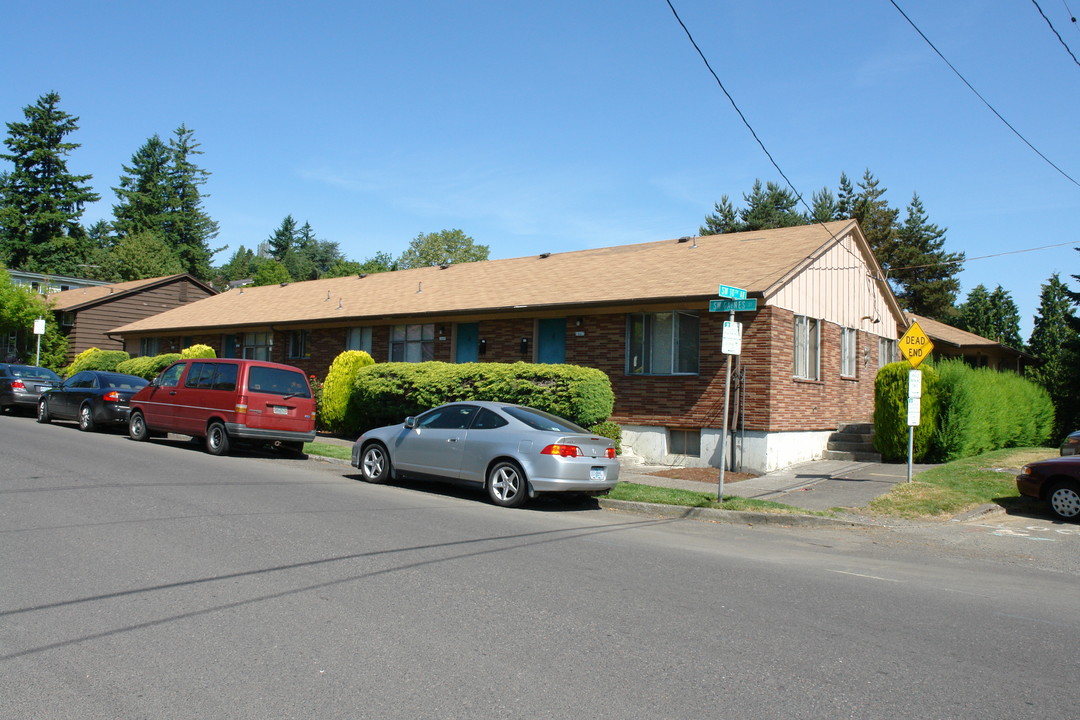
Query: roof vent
point(339, 305)
point(752, 239)
point(419, 287)
point(327, 296)
point(362, 275)
point(444, 266)
point(283, 284)
point(544, 255)
point(684, 239)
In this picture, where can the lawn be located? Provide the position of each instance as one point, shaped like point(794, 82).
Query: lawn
point(634, 492)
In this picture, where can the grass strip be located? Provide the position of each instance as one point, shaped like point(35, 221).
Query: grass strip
point(633, 492)
point(322, 449)
point(952, 488)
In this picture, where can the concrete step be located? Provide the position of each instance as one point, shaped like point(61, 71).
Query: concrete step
point(869, 457)
point(848, 446)
point(864, 428)
point(865, 438)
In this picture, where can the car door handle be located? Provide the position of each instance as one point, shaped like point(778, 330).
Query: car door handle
point(172, 392)
point(451, 439)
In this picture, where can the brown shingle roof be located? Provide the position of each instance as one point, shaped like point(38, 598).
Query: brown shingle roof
point(79, 297)
point(657, 271)
point(951, 335)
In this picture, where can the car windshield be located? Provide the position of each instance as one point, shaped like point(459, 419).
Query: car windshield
point(540, 420)
point(34, 373)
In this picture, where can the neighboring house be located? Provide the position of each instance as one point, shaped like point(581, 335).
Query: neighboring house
point(975, 350)
point(825, 322)
point(44, 283)
point(86, 315)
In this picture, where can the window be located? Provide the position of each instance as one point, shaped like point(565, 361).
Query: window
point(886, 351)
point(299, 341)
point(684, 442)
point(358, 338)
point(664, 343)
point(806, 347)
point(278, 381)
point(487, 420)
point(212, 376)
point(67, 318)
point(454, 417)
point(848, 342)
point(258, 345)
point(170, 376)
point(412, 343)
point(149, 346)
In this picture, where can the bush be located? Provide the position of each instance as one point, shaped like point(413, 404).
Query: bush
point(609, 430)
point(386, 393)
point(890, 412)
point(147, 366)
point(198, 351)
point(95, 359)
point(336, 413)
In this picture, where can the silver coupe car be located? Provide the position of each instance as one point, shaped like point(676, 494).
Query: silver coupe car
point(514, 452)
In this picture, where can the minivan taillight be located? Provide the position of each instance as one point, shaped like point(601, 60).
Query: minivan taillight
point(562, 450)
point(241, 404)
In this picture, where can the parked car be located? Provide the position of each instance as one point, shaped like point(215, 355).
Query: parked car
point(1056, 482)
point(94, 398)
point(226, 402)
point(20, 385)
point(1071, 444)
point(512, 451)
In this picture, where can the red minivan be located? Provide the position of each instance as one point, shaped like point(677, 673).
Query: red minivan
point(227, 401)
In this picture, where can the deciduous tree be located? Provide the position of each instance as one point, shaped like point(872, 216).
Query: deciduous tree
point(438, 248)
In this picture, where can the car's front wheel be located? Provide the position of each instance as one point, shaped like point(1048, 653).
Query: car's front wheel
point(1065, 500)
point(375, 463)
point(43, 415)
point(506, 484)
point(217, 440)
point(86, 418)
point(137, 429)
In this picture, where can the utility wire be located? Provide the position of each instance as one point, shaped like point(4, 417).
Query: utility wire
point(1071, 16)
point(1060, 39)
point(983, 257)
point(985, 102)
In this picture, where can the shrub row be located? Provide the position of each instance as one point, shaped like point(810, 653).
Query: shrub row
point(386, 393)
point(965, 412)
point(335, 412)
point(95, 359)
point(148, 366)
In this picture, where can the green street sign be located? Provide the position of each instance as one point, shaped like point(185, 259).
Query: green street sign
point(727, 291)
point(732, 305)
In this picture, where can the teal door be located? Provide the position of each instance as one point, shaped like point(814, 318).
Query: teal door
point(468, 343)
point(551, 341)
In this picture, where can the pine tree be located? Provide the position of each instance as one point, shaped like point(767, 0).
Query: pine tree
point(1057, 344)
point(877, 220)
point(40, 201)
point(824, 208)
point(845, 198)
point(925, 276)
point(144, 191)
point(976, 315)
point(190, 228)
point(721, 220)
point(283, 238)
point(770, 207)
point(1005, 318)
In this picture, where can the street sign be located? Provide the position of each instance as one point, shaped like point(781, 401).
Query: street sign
point(732, 305)
point(915, 346)
point(39, 326)
point(726, 291)
point(914, 411)
point(914, 384)
point(731, 340)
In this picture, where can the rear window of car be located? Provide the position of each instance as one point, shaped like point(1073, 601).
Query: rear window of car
point(540, 420)
point(32, 372)
point(277, 381)
point(116, 382)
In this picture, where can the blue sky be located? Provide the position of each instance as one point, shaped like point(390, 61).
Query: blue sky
point(557, 126)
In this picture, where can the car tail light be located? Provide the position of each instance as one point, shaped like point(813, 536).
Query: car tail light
point(610, 453)
point(562, 450)
point(17, 385)
point(111, 396)
point(241, 404)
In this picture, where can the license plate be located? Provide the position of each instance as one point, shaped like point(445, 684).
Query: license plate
point(598, 473)
point(279, 410)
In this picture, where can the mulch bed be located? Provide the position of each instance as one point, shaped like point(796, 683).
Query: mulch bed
point(703, 475)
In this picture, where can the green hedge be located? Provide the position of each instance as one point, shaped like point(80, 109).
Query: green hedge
point(95, 359)
point(336, 413)
point(386, 393)
point(890, 412)
point(965, 412)
point(147, 366)
point(197, 352)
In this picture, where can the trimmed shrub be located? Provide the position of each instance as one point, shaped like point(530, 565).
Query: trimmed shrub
point(147, 366)
point(609, 430)
point(95, 359)
point(198, 351)
point(890, 412)
point(336, 413)
point(386, 393)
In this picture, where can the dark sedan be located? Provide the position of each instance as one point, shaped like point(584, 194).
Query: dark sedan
point(20, 385)
point(1056, 482)
point(92, 397)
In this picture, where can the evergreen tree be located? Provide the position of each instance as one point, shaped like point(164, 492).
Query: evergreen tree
point(877, 220)
point(40, 201)
point(145, 202)
point(283, 238)
point(380, 262)
point(1005, 318)
point(190, 228)
point(824, 208)
point(445, 246)
point(1057, 344)
point(976, 315)
point(924, 279)
point(770, 207)
point(238, 267)
point(721, 220)
point(845, 198)
point(145, 255)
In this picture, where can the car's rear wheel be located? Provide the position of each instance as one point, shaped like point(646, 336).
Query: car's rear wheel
point(86, 418)
point(43, 415)
point(217, 440)
point(375, 463)
point(1065, 500)
point(506, 484)
point(137, 429)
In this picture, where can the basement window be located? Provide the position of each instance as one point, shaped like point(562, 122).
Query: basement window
point(684, 442)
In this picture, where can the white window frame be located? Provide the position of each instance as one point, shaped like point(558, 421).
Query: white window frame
point(888, 351)
point(849, 344)
point(358, 338)
point(807, 364)
point(663, 343)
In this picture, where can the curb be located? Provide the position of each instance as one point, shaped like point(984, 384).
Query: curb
point(731, 517)
point(983, 511)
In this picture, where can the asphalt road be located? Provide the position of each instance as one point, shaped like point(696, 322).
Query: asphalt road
point(155, 581)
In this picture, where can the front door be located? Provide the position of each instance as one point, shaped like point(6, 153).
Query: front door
point(551, 341)
point(468, 343)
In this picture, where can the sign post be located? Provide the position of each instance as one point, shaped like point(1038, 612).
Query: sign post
point(916, 347)
point(730, 345)
point(39, 330)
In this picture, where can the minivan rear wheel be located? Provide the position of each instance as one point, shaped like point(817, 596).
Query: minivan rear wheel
point(217, 440)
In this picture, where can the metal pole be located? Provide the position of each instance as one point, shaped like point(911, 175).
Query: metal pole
point(724, 438)
point(910, 449)
point(37, 361)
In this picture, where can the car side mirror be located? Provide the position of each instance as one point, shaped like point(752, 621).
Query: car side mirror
point(155, 383)
point(410, 423)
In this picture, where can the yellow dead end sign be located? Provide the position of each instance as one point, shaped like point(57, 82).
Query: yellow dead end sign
point(915, 345)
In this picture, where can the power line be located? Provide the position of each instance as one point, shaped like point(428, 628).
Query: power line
point(1060, 39)
point(983, 257)
point(1071, 16)
point(984, 100)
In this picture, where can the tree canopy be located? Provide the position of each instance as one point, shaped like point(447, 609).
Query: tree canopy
point(440, 248)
